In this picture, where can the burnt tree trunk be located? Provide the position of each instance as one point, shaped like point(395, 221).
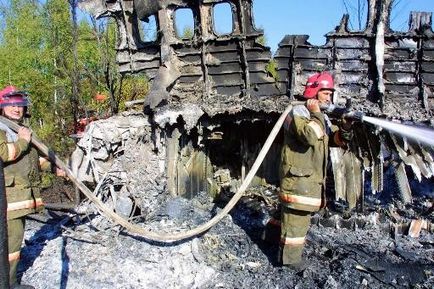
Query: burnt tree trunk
point(75, 74)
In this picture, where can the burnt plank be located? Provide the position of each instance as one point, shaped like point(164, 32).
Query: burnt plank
point(257, 55)
point(401, 89)
point(191, 58)
point(283, 75)
point(400, 54)
point(228, 79)
point(400, 77)
point(260, 77)
point(351, 53)
point(396, 66)
point(427, 66)
point(230, 56)
point(356, 90)
point(257, 65)
point(189, 79)
point(353, 78)
point(351, 42)
point(264, 90)
point(311, 64)
point(352, 65)
point(229, 90)
point(428, 78)
point(225, 68)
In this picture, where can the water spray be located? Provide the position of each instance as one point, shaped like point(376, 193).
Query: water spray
point(424, 135)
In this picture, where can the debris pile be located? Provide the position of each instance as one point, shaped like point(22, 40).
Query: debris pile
point(389, 245)
point(230, 255)
point(127, 166)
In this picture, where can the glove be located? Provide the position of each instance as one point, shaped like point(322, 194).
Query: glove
point(346, 124)
point(346, 130)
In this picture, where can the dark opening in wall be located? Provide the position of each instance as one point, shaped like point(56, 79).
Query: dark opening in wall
point(223, 18)
point(220, 158)
point(184, 23)
point(239, 147)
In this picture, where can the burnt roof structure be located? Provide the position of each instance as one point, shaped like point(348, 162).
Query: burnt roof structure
point(382, 71)
point(214, 97)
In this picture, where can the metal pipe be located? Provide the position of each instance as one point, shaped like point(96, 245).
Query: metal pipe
point(342, 112)
point(4, 251)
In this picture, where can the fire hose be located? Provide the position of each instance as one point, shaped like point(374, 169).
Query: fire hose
point(140, 231)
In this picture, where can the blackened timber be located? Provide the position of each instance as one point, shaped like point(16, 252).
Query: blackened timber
point(244, 57)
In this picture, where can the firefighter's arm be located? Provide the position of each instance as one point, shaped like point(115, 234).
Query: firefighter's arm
point(309, 131)
point(11, 151)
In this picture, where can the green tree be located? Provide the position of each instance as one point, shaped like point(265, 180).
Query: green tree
point(98, 46)
point(63, 62)
point(21, 44)
point(58, 42)
point(35, 49)
point(25, 63)
point(187, 33)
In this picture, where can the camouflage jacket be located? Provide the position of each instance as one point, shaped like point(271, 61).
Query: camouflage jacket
point(22, 174)
point(304, 158)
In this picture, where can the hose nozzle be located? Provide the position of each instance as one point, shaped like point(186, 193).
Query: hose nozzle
point(342, 112)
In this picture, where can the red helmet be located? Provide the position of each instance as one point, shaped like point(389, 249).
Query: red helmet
point(11, 96)
point(317, 82)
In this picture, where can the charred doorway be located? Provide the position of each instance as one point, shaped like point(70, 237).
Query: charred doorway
point(218, 154)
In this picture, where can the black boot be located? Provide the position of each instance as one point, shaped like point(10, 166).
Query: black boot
point(298, 267)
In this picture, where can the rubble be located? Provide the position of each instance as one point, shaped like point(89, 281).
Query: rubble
point(134, 168)
point(371, 249)
point(230, 255)
point(212, 104)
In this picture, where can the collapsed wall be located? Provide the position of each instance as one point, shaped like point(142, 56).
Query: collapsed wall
point(214, 99)
point(382, 71)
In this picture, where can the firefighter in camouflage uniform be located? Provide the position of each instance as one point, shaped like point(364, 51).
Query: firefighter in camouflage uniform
point(22, 166)
point(307, 136)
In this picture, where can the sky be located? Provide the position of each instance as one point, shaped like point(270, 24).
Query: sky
point(318, 17)
point(312, 17)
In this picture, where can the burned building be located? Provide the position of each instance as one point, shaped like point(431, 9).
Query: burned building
point(214, 99)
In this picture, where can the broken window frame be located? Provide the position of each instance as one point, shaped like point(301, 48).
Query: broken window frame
point(214, 22)
point(140, 28)
point(175, 28)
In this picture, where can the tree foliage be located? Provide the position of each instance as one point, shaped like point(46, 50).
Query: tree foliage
point(62, 57)
point(187, 33)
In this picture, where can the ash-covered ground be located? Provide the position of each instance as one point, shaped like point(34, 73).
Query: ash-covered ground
point(82, 249)
point(76, 251)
